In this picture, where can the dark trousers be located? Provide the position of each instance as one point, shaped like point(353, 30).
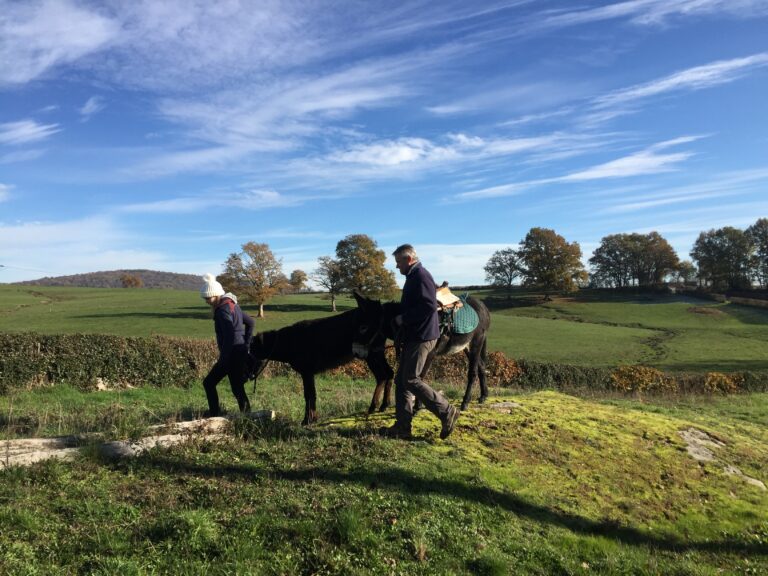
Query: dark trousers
point(235, 369)
point(409, 385)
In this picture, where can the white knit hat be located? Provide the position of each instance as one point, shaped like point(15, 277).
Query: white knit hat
point(211, 287)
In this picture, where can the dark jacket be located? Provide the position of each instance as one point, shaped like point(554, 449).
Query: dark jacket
point(233, 326)
point(418, 305)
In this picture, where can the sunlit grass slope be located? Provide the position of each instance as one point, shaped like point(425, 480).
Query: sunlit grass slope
point(552, 484)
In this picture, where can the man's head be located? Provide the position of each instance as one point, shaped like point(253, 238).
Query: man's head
point(405, 258)
point(211, 291)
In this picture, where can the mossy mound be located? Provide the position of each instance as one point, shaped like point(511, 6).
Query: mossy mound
point(603, 465)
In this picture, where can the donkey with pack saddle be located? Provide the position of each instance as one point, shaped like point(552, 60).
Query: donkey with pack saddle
point(464, 324)
point(314, 346)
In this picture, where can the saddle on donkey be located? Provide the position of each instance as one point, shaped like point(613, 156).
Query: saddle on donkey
point(456, 317)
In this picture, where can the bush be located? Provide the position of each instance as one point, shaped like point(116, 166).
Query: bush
point(541, 375)
point(33, 360)
point(718, 383)
point(642, 379)
point(81, 360)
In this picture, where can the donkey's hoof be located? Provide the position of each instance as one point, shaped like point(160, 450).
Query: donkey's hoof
point(482, 399)
point(464, 407)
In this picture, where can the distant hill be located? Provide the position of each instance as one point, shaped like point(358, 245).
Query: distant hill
point(112, 279)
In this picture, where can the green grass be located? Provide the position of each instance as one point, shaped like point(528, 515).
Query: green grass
point(561, 485)
point(675, 333)
point(594, 328)
point(137, 312)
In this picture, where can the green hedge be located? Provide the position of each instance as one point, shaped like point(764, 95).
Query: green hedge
point(81, 360)
point(29, 360)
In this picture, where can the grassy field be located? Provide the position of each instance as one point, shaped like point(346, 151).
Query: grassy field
point(556, 484)
point(560, 485)
point(674, 333)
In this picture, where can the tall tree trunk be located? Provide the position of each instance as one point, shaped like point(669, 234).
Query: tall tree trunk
point(261, 310)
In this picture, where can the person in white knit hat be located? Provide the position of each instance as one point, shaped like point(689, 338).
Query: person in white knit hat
point(234, 329)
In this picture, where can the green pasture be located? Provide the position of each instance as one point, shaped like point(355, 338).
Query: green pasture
point(550, 484)
point(557, 484)
point(597, 328)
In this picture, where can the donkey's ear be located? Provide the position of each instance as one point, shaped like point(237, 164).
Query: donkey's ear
point(362, 301)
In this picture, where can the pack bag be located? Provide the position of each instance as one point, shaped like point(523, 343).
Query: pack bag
point(465, 318)
point(456, 316)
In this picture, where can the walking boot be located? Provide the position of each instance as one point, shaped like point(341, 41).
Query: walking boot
point(449, 421)
point(395, 431)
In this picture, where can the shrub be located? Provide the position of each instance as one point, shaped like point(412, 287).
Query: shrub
point(34, 360)
point(540, 375)
point(719, 383)
point(642, 379)
point(502, 371)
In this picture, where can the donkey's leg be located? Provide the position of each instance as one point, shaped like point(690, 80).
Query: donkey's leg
point(389, 375)
point(472, 358)
point(310, 399)
point(374, 367)
point(481, 371)
point(383, 373)
point(386, 401)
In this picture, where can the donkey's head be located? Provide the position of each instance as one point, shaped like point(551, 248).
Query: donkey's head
point(369, 330)
point(259, 352)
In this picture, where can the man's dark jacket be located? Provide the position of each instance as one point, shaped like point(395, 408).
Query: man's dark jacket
point(418, 305)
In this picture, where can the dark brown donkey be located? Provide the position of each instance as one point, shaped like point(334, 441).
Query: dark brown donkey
point(376, 324)
point(314, 346)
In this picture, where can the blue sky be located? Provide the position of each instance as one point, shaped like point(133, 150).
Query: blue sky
point(165, 134)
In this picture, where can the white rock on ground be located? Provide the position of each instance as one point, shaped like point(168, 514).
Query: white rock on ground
point(28, 451)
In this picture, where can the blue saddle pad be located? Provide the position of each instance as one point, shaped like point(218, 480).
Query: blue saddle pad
point(465, 319)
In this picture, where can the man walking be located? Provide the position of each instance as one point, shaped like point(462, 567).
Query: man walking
point(420, 331)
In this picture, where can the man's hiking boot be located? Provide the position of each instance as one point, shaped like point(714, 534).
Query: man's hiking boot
point(449, 422)
point(395, 431)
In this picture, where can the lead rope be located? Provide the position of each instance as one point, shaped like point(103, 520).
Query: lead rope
point(266, 361)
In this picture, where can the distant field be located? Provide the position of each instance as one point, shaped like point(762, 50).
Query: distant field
point(674, 333)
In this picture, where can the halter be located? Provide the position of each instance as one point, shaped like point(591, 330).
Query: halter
point(367, 346)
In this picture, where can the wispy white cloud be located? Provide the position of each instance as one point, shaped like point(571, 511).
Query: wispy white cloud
point(645, 162)
point(513, 94)
point(25, 131)
point(696, 78)
point(741, 183)
point(21, 156)
point(5, 192)
point(46, 248)
point(391, 158)
point(39, 35)
point(392, 153)
point(248, 200)
point(93, 105)
point(647, 12)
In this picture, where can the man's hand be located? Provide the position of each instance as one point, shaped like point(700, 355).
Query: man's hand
point(399, 320)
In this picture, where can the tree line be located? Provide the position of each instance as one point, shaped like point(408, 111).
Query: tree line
point(256, 274)
point(722, 259)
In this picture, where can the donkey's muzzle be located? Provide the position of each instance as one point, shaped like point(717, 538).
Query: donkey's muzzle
point(359, 351)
